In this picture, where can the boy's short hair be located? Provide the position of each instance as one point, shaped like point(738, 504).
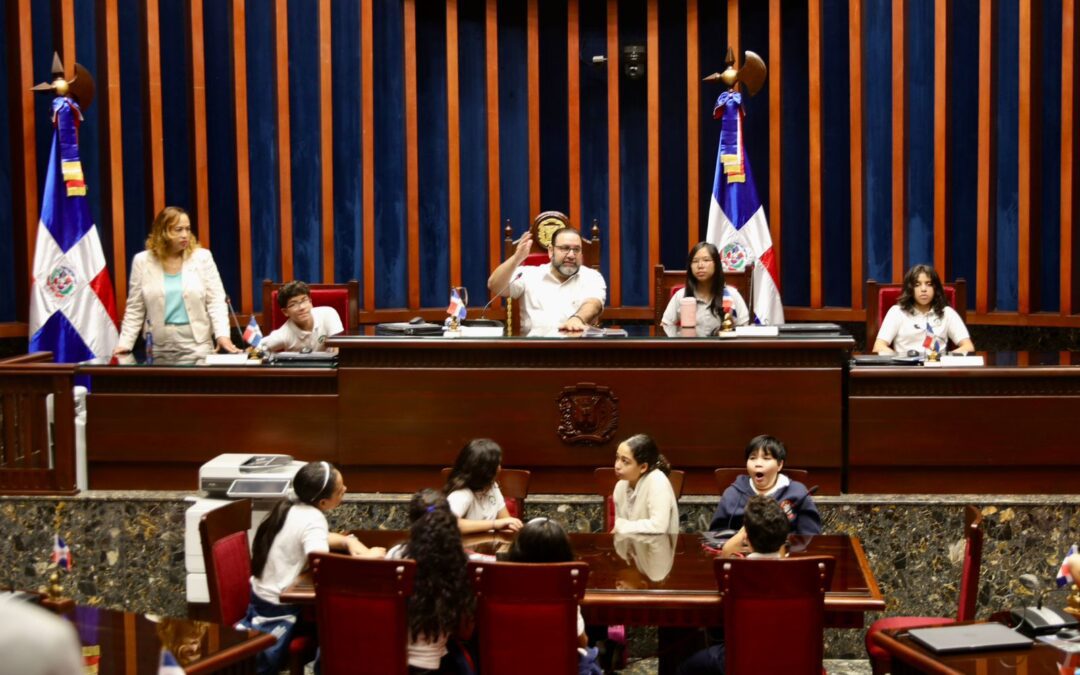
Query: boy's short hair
point(766, 525)
point(291, 290)
point(770, 444)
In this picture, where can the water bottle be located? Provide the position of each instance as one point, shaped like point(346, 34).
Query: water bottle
point(149, 342)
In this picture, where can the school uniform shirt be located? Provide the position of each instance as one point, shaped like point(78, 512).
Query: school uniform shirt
point(906, 331)
point(425, 653)
point(486, 505)
point(305, 531)
point(291, 338)
point(648, 508)
point(547, 302)
point(798, 505)
point(707, 322)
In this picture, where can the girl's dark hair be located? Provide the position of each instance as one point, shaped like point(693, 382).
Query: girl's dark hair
point(312, 483)
point(771, 445)
point(646, 451)
point(541, 540)
point(442, 596)
point(716, 305)
point(907, 296)
point(476, 466)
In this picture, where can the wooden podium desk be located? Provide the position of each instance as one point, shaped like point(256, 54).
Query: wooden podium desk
point(561, 405)
point(1007, 427)
point(909, 658)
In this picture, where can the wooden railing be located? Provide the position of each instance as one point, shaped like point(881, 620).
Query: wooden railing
point(29, 462)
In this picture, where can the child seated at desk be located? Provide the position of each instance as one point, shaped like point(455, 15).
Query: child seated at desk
point(765, 458)
point(307, 327)
point(921, 321)
point(764, 535)
point(474, 494)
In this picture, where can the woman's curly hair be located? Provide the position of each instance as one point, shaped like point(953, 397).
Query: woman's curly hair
point(159, 241)
point(442, 596)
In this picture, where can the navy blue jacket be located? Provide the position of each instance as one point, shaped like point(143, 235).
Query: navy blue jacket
point(799, 506)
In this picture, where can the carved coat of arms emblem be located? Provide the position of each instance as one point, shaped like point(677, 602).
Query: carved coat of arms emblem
point(588, 414)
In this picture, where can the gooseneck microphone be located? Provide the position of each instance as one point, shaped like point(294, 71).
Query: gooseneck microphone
point(236, 321)
point(517, 275)
point(797, 505)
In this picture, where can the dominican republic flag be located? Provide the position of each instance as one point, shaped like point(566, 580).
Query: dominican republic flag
point(930, 341)
point(457, 305)
point(1064, 576)
point(728, 303)
point(72, 306)
point(737, 224)
point(253, 334)
point(168, 665)
point(61, 554)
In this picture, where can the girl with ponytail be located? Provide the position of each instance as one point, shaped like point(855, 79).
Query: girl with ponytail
point(295, 527)
point(644, 500)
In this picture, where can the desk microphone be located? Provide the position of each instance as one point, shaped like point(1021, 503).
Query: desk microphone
point(806, 496)
point(236, 321)
point(517, 275)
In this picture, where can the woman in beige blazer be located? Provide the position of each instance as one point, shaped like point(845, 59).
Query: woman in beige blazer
point(176, 286)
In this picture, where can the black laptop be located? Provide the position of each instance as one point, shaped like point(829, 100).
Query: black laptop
point(973, 637)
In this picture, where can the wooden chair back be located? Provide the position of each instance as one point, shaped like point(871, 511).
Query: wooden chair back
point(223, 533)
point(881, 297)
point(667, 282)
point(513, 483)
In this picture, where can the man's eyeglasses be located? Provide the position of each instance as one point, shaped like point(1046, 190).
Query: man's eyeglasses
point(562, 248)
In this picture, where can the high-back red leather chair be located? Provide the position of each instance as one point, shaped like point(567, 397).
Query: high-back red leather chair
point(361, 605)
point(224, 538)
point(543, 226)
point(881, 297)
point(604, 481)
point(725, 476)
point(768, 598)
point(538, 601)
point(514, 485)
point(967, 598)
point(668, 282)
point(344, 298)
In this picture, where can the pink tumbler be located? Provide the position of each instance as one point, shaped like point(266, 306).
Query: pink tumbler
point(688, 312)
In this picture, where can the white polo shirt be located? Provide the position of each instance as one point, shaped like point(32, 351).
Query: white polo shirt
point(546, 302)
point(706, 320)
point(289, 338)
point(906, 331)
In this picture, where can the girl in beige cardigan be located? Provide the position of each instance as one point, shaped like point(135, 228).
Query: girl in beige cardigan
point(644, 500)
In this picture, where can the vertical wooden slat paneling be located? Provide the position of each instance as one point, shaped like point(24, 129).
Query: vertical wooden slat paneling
point(693, 128)
point(899, 139)
point(652, 51)
point(198, 122)
point(1068, 92)
point(243, 166)
point(775, 136)
point(491, 76)
point(67, 32)
point(855, 77)
point(815, 130)
point(573, 109)
point(281, 60)
point(412, 162)
point(532, 48)
point(25, 147)
point(367, 150)
point(326, 136)
point(1024, 143)
point(985, 174)
point(113, 142)
point(614, 170)
point(942, 177)
point(453, 140)
point(155, 147)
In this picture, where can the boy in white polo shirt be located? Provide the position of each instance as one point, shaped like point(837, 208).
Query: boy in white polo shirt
point(307, 327)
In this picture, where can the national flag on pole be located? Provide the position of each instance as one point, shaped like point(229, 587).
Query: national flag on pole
point(930, 341)
point(457, 305)
point(737, 224)
point(61, 554)
point(168, 665)
point(1064, 576)
point(72, 305)
point(253, 334)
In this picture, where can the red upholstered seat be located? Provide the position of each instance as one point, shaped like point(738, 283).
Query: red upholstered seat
point(223, 534)
point(966, 603)
point(537, 601)
point(770, 603)
point(514, 485)
point(344, 298)
point(361, 605)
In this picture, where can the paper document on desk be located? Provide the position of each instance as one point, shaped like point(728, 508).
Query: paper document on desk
point(757, 331)
point(240, 359)
point(593, 331)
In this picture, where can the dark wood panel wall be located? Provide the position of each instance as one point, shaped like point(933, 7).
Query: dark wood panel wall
point(1001, 209)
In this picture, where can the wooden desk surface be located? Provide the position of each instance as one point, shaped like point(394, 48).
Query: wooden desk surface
point(909, 657)
point(665, 580)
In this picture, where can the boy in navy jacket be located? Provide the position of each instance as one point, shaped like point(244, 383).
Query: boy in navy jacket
point(765, 457)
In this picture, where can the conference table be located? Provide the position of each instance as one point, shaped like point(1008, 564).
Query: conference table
point(908, 658)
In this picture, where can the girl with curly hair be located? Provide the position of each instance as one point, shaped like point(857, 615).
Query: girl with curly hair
point(921, 320)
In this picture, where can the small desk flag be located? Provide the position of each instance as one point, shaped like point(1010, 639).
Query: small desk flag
point(1064, 577)
point(253, 334)
point(61, 554)
point(457, 305)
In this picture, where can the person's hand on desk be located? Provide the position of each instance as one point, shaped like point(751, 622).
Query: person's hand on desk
point(738, 545)
point(575, 324)
point(510, 524)
point(358, 550)
point(225, 344)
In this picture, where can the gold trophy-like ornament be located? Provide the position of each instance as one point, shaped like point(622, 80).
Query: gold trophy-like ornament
point(727, 325)
point(751, 75)
point(80, 87)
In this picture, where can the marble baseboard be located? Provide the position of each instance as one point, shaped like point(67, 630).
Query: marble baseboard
point(128, 547)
